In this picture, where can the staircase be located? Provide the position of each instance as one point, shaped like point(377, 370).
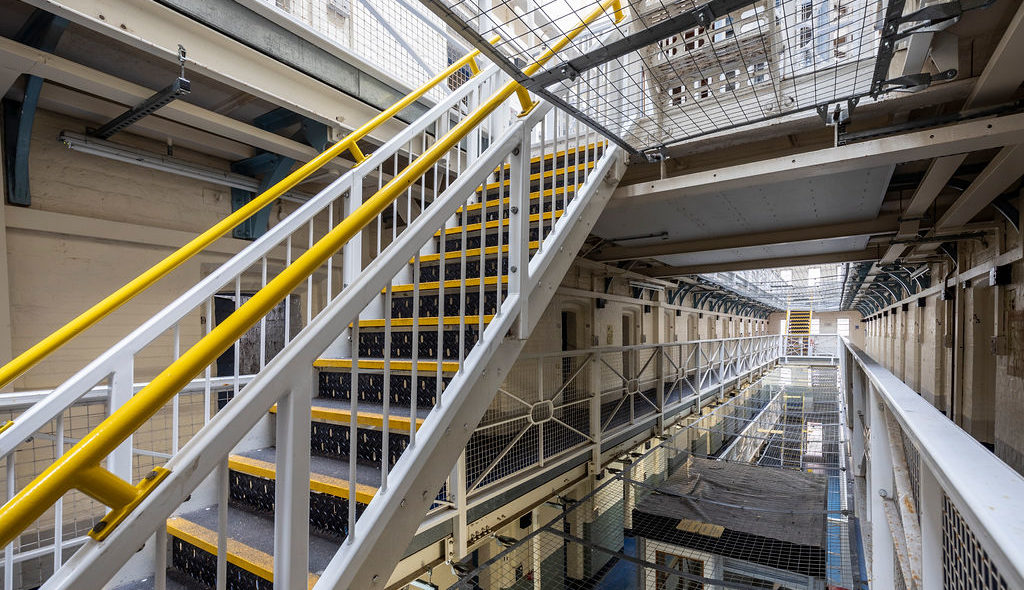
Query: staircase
point(407, 289)
point(387, 377)
point(798, 330)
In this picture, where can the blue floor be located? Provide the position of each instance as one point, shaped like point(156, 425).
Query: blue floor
point(623, 574)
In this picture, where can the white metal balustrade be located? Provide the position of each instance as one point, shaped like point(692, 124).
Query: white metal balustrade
point(939, 510)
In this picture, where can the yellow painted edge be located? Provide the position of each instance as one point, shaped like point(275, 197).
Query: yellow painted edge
point(472, 252)
point(241, 555)
point(534, 195)
point(368, 419)
point(7, 425)
point(449, 284)
point(318, 482)
point(374, 364)
point(561, 153)
point(427, 321)
point(495, 223)
point(547, 174)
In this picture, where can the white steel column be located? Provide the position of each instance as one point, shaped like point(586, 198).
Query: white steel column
point(121, 390)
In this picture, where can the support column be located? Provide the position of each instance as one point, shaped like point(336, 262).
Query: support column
point(880, 481)
point(931, 528)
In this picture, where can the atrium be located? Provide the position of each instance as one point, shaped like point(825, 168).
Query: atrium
point(512, 295)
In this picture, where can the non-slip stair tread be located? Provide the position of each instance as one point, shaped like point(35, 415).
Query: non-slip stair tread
point(472, 253)
point(448, 284)
point(452, 321)
point(367, 408)
point(250, 539)
point(557, 193)
point(494, 224)
point(328, 475)
point(378, 365)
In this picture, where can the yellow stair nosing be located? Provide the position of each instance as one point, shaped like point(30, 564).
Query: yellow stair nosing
point(471, 253)
point(473, 227)
point(560, 153)
point(241, 555)
point(379, 365)
point(449, 320)
point(547, 174)
point(448, 284)
point(365, 419)
point(533, 195)
point(318, 482)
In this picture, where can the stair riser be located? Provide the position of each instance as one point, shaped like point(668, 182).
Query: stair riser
point(332, 440)
point(402, 306)
point(328, 514)
point(201, 566)
point(371, 388)
point(453, 268)
point(371, 343)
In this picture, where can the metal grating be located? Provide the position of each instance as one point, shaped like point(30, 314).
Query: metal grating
point(691, 68)
point(965, 564)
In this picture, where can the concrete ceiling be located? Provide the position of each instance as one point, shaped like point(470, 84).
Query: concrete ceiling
point(854, 195)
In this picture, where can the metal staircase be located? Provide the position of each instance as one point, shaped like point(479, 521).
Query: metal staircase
point(390, 384)
point(798, 330)
point(407, 289)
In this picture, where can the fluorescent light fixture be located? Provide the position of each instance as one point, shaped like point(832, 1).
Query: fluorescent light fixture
point(154, 161)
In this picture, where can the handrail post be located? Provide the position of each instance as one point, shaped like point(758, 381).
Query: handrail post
point(119, 462)
point(291, 491)
point(519, 229)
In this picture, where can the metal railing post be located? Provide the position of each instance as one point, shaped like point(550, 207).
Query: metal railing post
point(519, 228)
point(659, 365)
point(594, 384)
point(721, 369)
point(119, 462)
point(291, 491)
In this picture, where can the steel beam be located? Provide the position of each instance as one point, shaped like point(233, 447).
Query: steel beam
point(884, 224)
point(939, 172)
point(931, 143)
point(1004, 169)
point(679, 271)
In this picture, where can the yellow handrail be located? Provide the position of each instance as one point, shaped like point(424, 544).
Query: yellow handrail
point(26, 360)
point(80, 468)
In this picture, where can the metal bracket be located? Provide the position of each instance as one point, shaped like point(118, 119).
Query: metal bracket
point(937, 17)
point(175, 90)
point(914, 82)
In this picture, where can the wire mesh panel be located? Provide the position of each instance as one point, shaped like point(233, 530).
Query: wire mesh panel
point(692, 68)
point(965, 564)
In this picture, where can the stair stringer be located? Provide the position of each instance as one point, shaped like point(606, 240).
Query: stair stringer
point(385, 528)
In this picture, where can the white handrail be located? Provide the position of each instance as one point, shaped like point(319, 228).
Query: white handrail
point(986, 492)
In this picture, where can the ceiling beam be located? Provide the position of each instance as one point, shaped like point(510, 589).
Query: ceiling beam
point(678, 271)
point(939, 172)
point(885, 224)
point(919, 145)
point(63, 71)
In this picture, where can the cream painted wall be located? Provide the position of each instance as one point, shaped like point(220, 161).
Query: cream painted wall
point(829, 320)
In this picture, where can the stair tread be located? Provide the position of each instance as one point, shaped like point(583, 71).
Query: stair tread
point(448, 284)
point(448, 320)
point(471, 254)
point(328, 475)
point(560, 191)
point(547, 174)
point(475, 227)
point(377, 365)
point(250, 540)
